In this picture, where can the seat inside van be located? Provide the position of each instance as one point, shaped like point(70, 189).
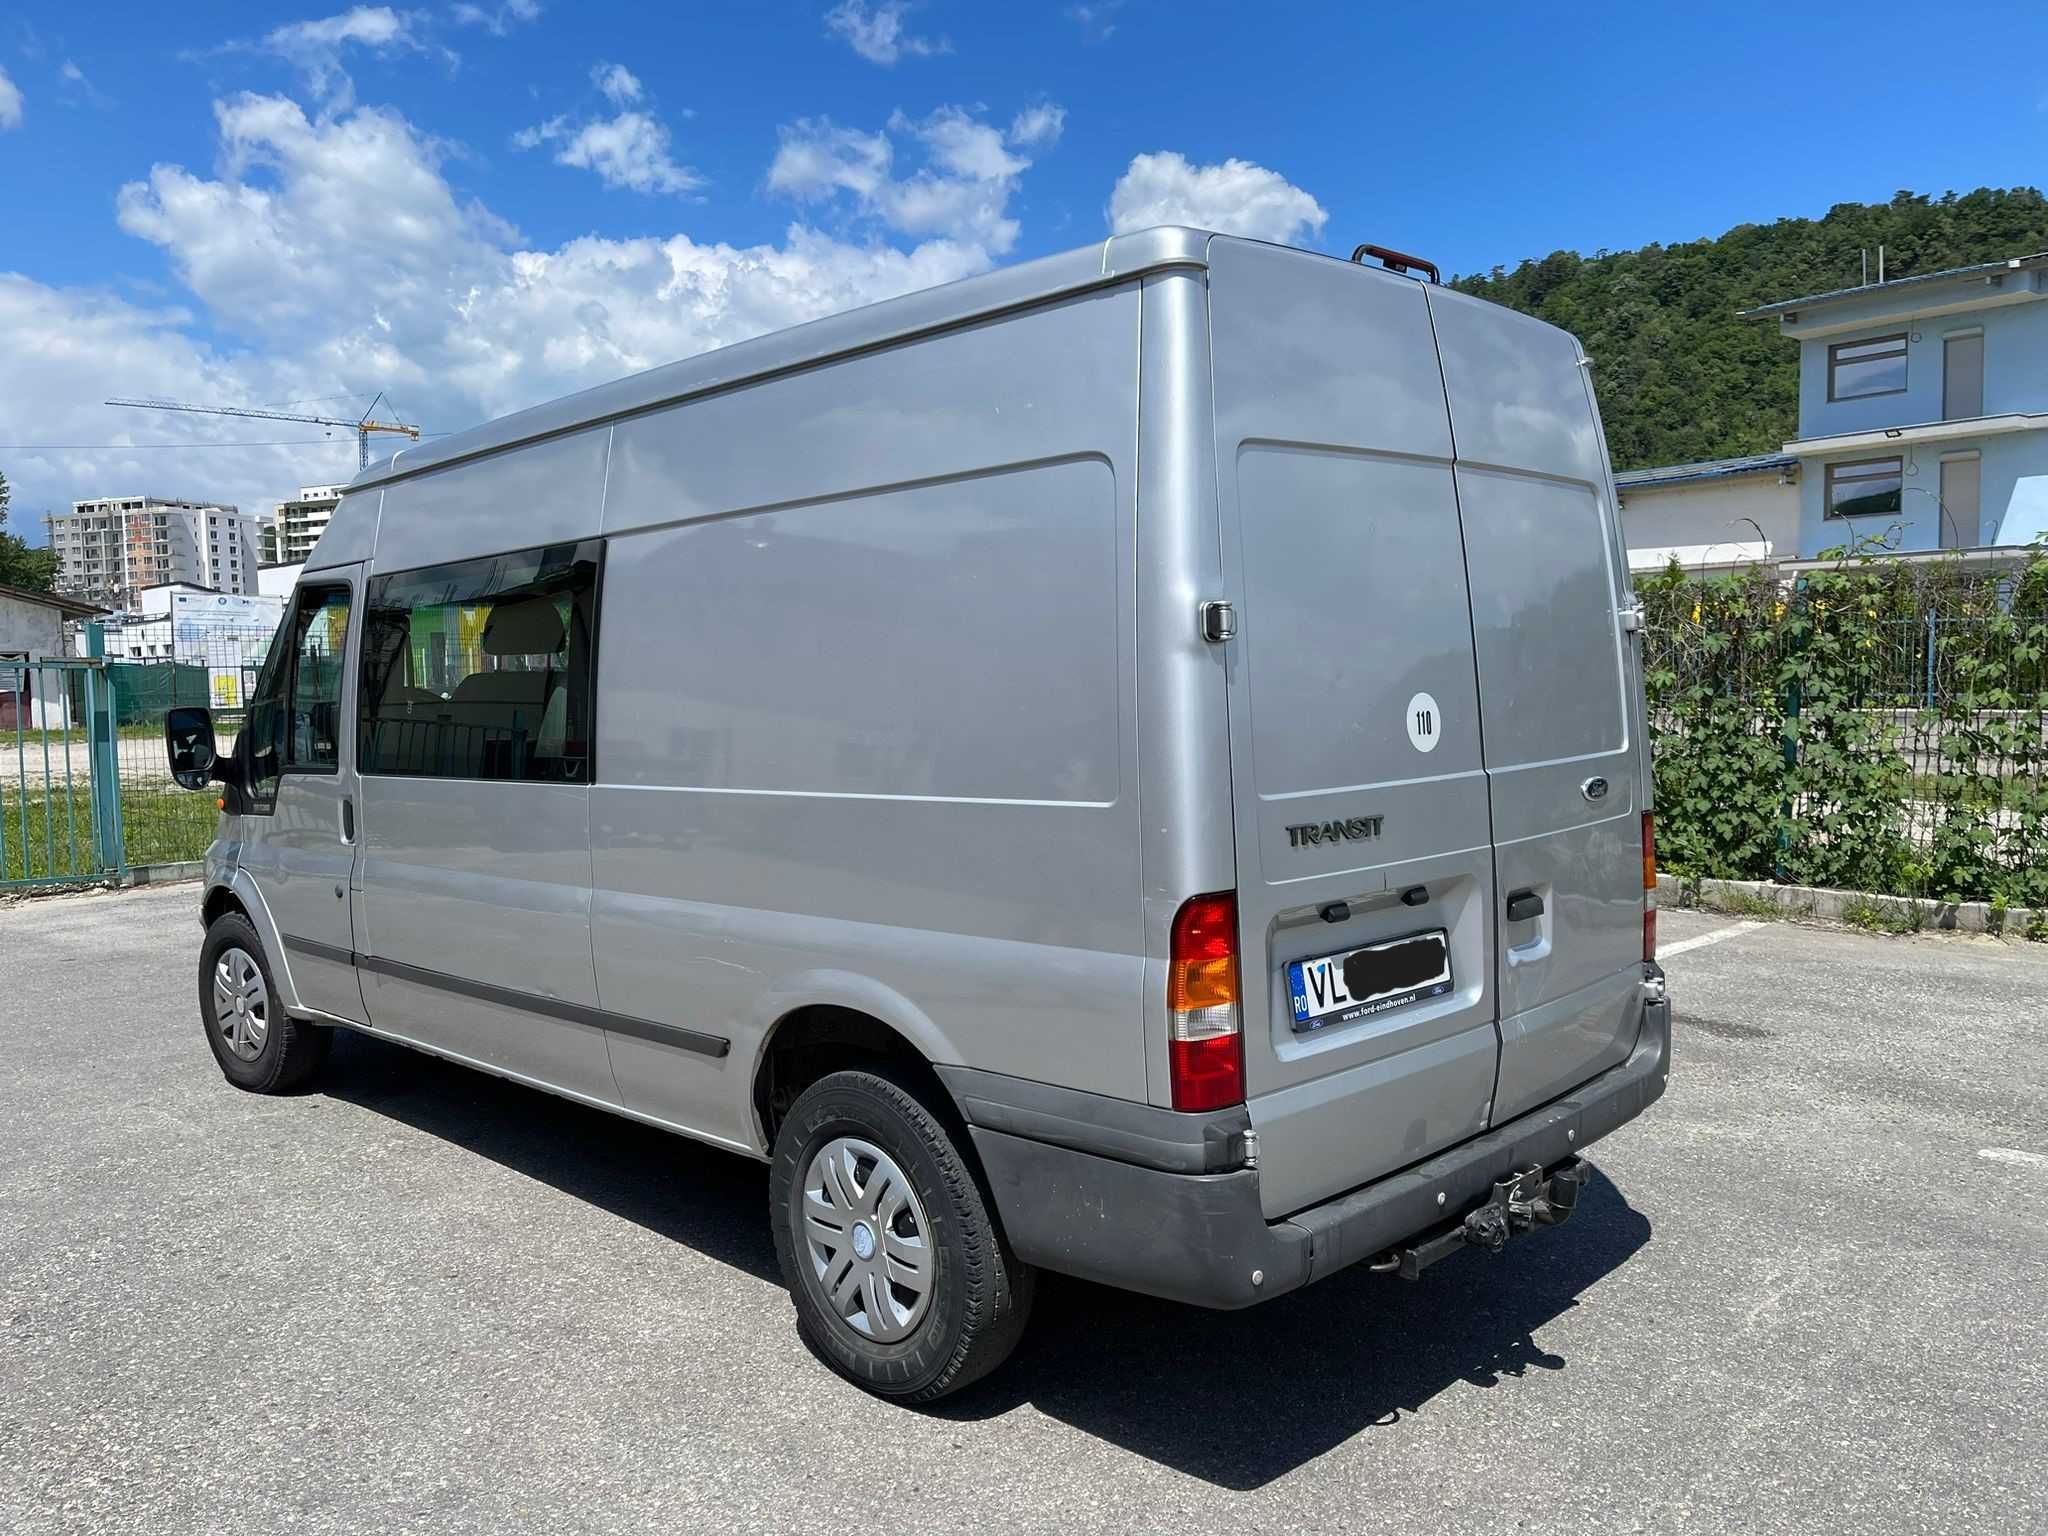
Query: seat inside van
point(516, 711)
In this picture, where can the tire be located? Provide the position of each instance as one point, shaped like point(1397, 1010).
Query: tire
point(259, 1046)
point(880, 1336)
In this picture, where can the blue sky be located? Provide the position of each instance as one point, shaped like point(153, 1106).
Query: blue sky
point(479, 205)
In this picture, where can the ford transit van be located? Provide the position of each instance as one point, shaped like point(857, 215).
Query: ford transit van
point(1131, 765)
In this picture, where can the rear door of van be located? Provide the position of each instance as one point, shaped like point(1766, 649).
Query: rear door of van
point(1557, 695)
point(1358, 776)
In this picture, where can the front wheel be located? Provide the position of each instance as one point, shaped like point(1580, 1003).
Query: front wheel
point(258, 1045)
point(901, 1278)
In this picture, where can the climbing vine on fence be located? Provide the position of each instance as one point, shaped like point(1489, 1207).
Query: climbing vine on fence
point(1873, 725)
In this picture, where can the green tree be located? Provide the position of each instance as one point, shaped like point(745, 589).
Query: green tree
point(1680, 378)
point(21, 566)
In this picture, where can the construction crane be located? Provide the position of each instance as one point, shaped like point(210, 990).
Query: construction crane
point(362, 426)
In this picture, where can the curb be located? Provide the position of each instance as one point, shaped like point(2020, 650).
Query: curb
point(1815, 901)
point(161, 874)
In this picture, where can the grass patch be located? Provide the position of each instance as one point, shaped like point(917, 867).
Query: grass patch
point(1885, 916)
point(1743, 904)
point(51, 837)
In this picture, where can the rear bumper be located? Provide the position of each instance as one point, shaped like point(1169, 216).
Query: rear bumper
point(1202, 1238)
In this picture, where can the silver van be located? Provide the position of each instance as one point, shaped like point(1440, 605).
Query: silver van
point(1131, 765)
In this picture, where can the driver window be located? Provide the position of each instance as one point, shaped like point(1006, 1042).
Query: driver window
point(295, 720)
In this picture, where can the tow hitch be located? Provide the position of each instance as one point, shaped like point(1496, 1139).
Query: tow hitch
point(1531, 1198)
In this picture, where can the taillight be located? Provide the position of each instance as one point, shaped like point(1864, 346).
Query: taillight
point(1649, 885)
point(1205, 1041)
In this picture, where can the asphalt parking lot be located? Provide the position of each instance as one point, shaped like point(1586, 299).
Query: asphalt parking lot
point(1805, 1295)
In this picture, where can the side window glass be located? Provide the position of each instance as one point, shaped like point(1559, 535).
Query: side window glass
point(483, 669)
point(295, 712)
point(314, 743)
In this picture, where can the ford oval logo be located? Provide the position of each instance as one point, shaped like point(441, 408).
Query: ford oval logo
point(1594, 788)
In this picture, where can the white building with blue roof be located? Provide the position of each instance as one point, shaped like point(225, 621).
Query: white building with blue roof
point(1717, 513)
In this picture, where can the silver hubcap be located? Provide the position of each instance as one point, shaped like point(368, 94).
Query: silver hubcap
point(241, 1005)
point(867, 1238)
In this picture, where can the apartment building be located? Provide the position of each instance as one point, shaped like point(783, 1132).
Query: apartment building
point(297, 525)
point(110, 547)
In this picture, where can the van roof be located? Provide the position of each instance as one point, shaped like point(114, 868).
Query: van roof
point(1115, 260)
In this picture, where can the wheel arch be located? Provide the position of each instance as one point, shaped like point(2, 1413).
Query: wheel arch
point(812, 1039)
point(239, 894)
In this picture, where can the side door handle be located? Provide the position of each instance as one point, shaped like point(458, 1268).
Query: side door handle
point(348, 819)
point(1523, 905)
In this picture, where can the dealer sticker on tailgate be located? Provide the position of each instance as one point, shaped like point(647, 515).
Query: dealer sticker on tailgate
point(1358, 983)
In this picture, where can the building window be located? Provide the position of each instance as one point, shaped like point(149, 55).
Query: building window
point(1865, 488)
point(1876, 366)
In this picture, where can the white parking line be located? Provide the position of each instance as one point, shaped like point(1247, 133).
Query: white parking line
point(2014, 1156)
point(1701, 941)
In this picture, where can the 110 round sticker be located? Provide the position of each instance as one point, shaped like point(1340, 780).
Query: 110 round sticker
point(1425, 723)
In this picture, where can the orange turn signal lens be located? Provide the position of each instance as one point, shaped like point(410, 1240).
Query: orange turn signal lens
point(1196, 984)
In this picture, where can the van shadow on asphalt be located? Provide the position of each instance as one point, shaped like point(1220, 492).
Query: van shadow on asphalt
point(1234, 1398)
point(1241, 1398)
point(715, 1202)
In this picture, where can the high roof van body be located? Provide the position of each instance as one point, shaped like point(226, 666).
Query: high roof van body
point(1132, 765)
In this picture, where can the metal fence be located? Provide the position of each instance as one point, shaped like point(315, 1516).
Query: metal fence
point(59, 817)
point(1836, 743)
point(85, 790)
point(161, 823)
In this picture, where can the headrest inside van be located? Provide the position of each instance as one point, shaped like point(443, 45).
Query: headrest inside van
point(526, 626)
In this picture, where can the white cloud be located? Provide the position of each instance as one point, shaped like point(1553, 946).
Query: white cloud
point(541, 132)
point(818, 158)
point(876, 32)
point(373, 26)
point(1233, 198)
point(631, 150)
point(72, 75)
point(1097, 21)
point(70, 348)
point(619, 84)
point(1039, 126)
point(316, 47)
point(330, 253)
point(962, 192)
point(500, 21)
point(10, 102)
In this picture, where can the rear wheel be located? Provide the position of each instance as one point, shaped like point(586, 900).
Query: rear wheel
point(258, 1045)
point(901, 1279)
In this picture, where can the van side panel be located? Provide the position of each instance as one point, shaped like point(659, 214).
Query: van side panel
point(1556, 684)
point(486, 883)
point(474, 881)
point(1183, 719)
point(865, 729)
point(1342, 548)
point(351, 533)
point(549, 492)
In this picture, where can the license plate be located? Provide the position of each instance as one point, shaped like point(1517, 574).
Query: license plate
point(1356, 984)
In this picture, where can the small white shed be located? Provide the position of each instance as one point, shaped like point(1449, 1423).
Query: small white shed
point(32, 627)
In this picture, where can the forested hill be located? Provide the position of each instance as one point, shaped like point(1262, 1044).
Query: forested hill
point(1680, 378)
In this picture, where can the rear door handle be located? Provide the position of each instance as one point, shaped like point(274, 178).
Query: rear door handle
point(1523, 905)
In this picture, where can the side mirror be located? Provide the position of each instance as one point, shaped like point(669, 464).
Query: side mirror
point(188, 742)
